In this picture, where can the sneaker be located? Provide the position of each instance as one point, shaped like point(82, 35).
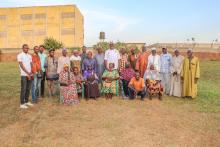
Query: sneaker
point(29, 104)
point(23, 106)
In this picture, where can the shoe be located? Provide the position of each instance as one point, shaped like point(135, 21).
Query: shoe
point(23, 106)
point(29, 104)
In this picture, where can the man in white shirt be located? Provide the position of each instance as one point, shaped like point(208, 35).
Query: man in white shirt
point(64, 59)
point(112, 56)
point(154, 59)
point(25, 64)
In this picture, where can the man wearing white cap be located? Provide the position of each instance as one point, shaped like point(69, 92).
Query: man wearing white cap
point(190, 75)
point(165, 60)
point(64, 59)
point(176, 68)
point(154, 59)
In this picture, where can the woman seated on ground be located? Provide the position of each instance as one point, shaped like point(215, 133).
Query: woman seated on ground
point(153, 82)
point(136, 87)
point(79, 80)
point(68, 91)
point(110, 79)
point(126, 74)
point(91, 83)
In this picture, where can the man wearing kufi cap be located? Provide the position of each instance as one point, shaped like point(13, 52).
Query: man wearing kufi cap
point(154, 59)
point(190, 75)
point(176, 68)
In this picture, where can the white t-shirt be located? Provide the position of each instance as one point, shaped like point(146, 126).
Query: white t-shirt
point(26, 59)
point(74, 58)
point(112, 56)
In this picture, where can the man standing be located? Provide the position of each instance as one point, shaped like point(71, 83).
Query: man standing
point(25, 61)
point(75, 60)
point(176, 68)
point(165, 60)
point(112, 56)
point(190, 75)
point(100, 67)
point(64, 59)
point(36, 69)
point(42, 56)
point(154, 59)
point(136, 87)
point(142, 61)
point(132, 58)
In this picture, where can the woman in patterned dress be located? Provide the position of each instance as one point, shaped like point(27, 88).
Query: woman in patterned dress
point(68, 90)
point(110, 79)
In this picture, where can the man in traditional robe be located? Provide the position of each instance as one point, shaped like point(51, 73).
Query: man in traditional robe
point(100, 67)
point(176, 68)
point(142, 61)
point(154, 59)
point(190, 75)
point(165, 63)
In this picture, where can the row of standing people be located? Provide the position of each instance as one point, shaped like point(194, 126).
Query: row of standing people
point(108, 69)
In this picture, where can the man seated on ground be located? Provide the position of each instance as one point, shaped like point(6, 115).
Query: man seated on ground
point(153, 82)
point(136, 87)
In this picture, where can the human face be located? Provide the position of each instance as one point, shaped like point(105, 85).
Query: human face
point(89, 55)
point(153, 52)
point(75, 71)
point(51, 53)
point(176, 53)
point(144, 49)
point(137, 76)
point(41, 49)
point(25, 49)
point(64, 52)
point(132, 50)
point(36, 49)
point(111, 45)
point(111, 66)
point(99, 50)
point(164, 50)
point(123, 51)
point(75, 53)
point(84, 49)
point(66, 68)
point(189, 54)
point(152, 67)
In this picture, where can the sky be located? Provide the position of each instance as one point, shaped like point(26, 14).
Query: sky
point(142, 21)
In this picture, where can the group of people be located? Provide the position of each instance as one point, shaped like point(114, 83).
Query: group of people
point(113, 72)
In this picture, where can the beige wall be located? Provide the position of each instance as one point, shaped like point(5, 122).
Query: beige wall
point(32, 25)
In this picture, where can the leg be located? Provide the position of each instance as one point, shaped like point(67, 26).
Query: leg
point(39, 87)
point(125, 87)
point(28, 88)
point(23, 89)
point(42, 84)
point(167, 83)
point(33, 89)
point(131, 93)
point(142, 94)
point(49, 88)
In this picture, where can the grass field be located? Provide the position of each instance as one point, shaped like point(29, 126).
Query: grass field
point(173, 122)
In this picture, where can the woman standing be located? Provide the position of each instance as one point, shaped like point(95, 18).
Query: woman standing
point(68, 90)
point(110, 81)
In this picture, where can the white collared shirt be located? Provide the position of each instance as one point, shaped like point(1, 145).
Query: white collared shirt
point(26, 60)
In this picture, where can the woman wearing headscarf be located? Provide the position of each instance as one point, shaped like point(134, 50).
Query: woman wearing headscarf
point(68, 90)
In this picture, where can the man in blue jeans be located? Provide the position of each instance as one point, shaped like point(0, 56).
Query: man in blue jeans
point(25, 62)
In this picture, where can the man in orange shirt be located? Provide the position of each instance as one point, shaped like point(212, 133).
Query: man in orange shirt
point(137, 87)
point(36, 70)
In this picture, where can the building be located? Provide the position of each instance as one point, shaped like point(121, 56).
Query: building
point(32, 25)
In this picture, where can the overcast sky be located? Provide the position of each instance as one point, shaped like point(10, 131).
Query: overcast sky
point(149, 21)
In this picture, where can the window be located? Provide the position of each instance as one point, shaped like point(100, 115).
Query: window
point(26, 16)
point(68, 31)
point(3, 17)
point(40, 15)
point(67, 15)
point(40, 32)
point(3, 34)
point(27, 33)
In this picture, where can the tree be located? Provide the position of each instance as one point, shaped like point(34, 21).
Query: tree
point(51, 43)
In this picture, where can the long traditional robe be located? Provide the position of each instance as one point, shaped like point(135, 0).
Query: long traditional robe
point(190, 72)
point(100, 67)
point(175, 84)
point(142, 62)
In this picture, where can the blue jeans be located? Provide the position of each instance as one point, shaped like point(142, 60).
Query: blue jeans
point(140, 93)
point(35, 88)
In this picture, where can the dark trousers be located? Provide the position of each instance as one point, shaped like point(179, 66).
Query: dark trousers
point(42, 84)
point(125, 87)
point(132, 92)
point(25, 89)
